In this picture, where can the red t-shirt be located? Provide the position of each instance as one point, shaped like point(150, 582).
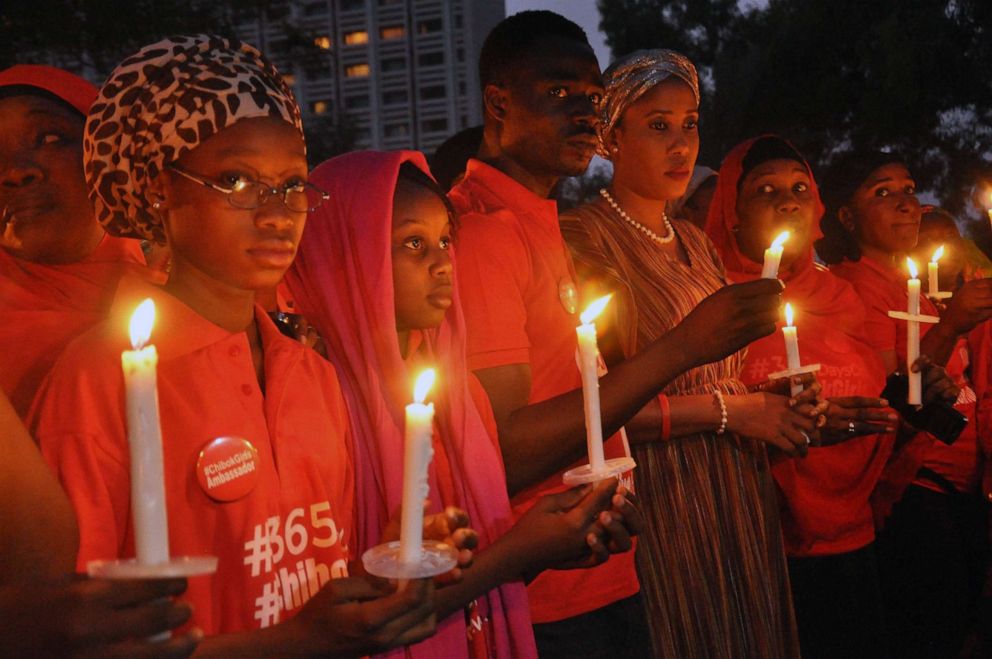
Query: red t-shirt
point(514, 272)
point(883, 289)
point(825, 503)
point(276, 545)
point(44, 307)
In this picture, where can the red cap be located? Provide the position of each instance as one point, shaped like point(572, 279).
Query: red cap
point(72, 89)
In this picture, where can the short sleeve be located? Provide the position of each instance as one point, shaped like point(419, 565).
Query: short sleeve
point(492, 267)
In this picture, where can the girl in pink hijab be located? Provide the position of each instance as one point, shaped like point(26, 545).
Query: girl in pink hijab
point(374, 275)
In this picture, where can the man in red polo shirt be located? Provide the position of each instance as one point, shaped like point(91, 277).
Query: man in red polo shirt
point(541, 85)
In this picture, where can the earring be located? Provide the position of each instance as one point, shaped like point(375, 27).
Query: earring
point(157, 205)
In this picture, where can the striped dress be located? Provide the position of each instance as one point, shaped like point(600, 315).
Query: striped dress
point(711, 561)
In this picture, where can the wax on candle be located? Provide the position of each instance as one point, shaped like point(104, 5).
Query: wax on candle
point(144, 433)
point(418, 451)
point(588, 364)
point(773, 256)
point(933, 282)
point(913, 334)
point(791, 348)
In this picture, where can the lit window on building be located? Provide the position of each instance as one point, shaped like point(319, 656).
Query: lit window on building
point(430, 25)
point(392, 32)
point(433, 92)
point(397, 130)
point(357, 71)
point(434, 125)
point(430, 59)
point(356, 38)
point(323, 42)
point(320, 107)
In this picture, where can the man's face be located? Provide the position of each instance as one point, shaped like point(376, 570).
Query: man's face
point(551, 109)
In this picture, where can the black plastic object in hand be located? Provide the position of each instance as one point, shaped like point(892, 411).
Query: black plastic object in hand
point(938, 418)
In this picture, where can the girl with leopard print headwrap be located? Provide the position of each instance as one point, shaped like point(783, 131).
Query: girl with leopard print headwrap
point(197, 142)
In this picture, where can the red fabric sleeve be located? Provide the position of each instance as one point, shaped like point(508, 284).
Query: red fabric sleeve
point(492, 268)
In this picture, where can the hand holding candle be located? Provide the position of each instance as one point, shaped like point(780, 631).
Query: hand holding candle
point(773, 256)
point(151, 530)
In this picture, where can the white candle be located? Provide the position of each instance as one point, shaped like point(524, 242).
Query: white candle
point(588, 365)
point(144, 433)
point(932, 277)
point(913, 335)
point(791, 348)
point(418, 451)
point(773, 256)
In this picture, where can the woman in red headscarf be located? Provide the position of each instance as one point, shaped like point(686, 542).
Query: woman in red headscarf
point(374, 275)
point(58, 269)
point(932, 548)
point(765, 187)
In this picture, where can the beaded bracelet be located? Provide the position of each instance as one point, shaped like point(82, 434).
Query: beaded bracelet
point(666, 418)
point(718, 395)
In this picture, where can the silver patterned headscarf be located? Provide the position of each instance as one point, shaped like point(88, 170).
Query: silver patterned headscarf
point(630, 77)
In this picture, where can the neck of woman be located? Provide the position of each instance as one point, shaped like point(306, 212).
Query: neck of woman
point(879, 255)
point(223, 305)
point(649, 212)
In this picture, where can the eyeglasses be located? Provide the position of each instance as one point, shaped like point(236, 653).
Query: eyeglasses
point(249, 195)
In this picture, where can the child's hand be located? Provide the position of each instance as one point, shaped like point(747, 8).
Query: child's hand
point(452, 527)
point(356, 616)
point(80, 616)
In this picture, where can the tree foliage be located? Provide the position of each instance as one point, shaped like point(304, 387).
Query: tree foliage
point(832, 75)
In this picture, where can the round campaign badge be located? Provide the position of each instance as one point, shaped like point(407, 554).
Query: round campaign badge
point(568, 295)
point(227, 468)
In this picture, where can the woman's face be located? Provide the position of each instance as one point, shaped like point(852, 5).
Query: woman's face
point(775, 196)
point(657, 141)
point(421, 237)
point(45, 214)
point(884, 213)
point(243, 249)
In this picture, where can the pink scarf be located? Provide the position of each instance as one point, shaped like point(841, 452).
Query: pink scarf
point(342, 282)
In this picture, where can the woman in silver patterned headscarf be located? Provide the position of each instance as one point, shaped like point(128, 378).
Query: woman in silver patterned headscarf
point(197, 142)
point(712, 569)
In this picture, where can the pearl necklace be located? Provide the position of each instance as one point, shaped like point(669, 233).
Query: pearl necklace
point(661, 240)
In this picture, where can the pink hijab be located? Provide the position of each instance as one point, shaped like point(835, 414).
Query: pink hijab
point(342, 282)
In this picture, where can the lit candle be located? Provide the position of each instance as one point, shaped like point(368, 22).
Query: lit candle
point(773, 256)
point(144, 433)
point(418, 451)
point(990, 208)
point(791, 348)
point(588, 365)
point(932, 279)
point(913, 334)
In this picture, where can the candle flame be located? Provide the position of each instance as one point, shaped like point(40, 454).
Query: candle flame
point(788, 314)
point(937, 253)
point(594, 309)
point(424, 383)
point(780, 240)
point(911, 265)
point(141, 324)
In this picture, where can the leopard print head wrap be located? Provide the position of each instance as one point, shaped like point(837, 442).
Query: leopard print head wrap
point(161, 103)
point(629, 78)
